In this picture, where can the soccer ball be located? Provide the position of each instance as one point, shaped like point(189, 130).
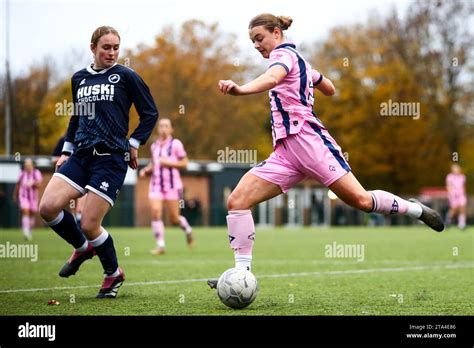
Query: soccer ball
point(237, 288)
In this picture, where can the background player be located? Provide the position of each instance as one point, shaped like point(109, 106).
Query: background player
point(168, 156)
point(456, 187)
point(302, 145)
point(26, 192)
point(95, 155)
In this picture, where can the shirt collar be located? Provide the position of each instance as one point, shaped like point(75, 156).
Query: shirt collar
point(93, 72)
point(286, 44)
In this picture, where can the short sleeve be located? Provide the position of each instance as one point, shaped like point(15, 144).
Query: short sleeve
point(178, 149)
point(38, 176)
point(316, 77)
point(20, 178)
point(281, 57)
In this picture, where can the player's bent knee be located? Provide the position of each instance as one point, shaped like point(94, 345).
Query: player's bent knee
point(90, 225)
point(156, 214)
point(237, 202)
point(48, 210)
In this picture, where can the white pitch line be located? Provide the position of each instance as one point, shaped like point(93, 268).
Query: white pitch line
point(286, 275)
point(266, 261)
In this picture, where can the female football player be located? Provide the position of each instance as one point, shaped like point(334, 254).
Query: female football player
point(455, 185)
point(168, 156)
point(95, 155)
point(302, 145)
point(26, 192)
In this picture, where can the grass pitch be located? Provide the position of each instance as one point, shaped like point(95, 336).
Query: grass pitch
point(404, 271)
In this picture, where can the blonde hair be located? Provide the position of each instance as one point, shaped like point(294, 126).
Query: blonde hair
point(101, 31)
point(270, 22)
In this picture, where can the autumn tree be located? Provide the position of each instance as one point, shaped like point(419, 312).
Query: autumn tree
point(182, 69)
point(384, 61)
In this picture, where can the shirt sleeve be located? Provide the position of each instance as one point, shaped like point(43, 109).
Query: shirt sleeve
point(281, 57)
point(38, 176)
point(178, 149)
point(59, 147)
point(316, 77)
point(145, 105)
point(73, 123)
point(20, 178)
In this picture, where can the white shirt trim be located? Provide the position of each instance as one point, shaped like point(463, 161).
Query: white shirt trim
point(93, 72)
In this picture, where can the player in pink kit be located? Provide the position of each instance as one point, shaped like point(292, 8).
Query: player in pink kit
point(26, 192)
point(168, 156)
point(455, 185)
point(302, 145)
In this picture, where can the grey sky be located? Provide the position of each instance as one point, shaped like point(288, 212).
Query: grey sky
point(62, 30)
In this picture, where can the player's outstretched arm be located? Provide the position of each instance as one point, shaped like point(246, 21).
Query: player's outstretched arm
point(181, 164)
point(326, 87)
point(264, 82)
point(16, 191)
point(146, 170)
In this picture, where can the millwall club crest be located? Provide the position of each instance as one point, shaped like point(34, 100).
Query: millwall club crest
point(114, 78)
point(394, 209)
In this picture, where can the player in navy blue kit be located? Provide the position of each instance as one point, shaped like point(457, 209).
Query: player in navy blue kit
point(95, 155)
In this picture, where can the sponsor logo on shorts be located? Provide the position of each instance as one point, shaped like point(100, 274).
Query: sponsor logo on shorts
point(104, 185)
point(332, 168)
point(252, 236)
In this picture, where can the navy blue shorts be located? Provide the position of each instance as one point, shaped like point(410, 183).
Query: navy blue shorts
point(96, 169)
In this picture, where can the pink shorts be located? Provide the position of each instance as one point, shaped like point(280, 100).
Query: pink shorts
point(30, 204)
point(167, 195)
point(456, 202)
point(311, 153)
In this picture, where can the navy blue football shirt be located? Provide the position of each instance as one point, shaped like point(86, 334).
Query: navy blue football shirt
point(102, 104)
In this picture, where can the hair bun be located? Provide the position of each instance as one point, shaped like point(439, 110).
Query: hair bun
point(285, 22)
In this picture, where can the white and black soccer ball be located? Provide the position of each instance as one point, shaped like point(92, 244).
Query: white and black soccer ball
point(237, 288)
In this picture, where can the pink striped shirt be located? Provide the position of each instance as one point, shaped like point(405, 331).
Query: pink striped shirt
point(26, 181)
point(165, 178)
point(291, 101)
point(456, 184)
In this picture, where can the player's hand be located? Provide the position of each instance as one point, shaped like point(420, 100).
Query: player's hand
point(229, 87)
point(61, 161)
point(165, 163)
point(142, 173)
point(133, 163)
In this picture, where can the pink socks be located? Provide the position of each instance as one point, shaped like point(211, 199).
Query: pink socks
point(388, 203)
point(241, 231)
point(158, 229)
